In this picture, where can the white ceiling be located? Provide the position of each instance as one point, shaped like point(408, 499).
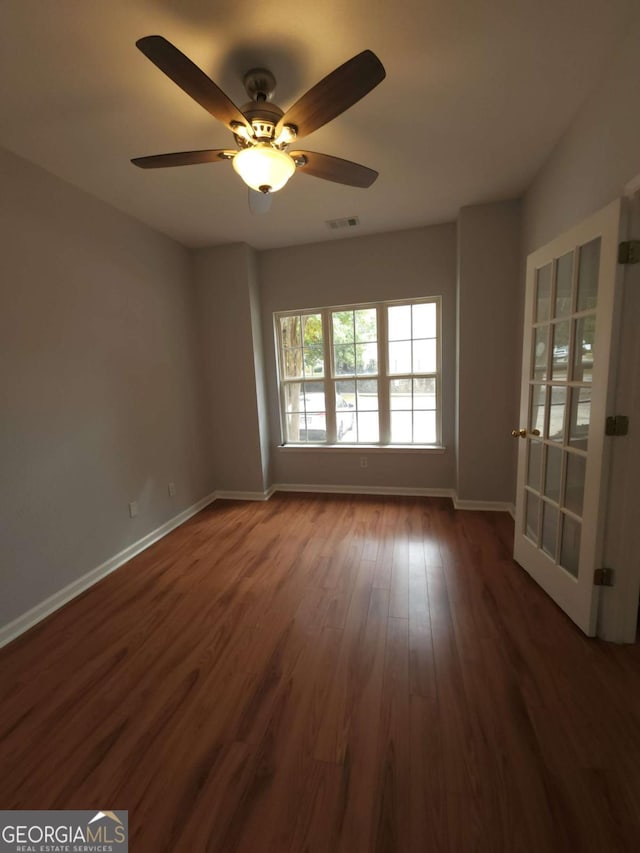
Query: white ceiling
point(476, 95)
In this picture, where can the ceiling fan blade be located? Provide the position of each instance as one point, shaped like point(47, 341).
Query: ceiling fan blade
point(334, 169)
point(334, 93)
point(191, 79)
point(259, 203)
point(183, 158)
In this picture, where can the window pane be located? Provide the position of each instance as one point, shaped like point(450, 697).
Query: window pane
point(400, 394)
point(345, 393)
point(290, 331)
point(311, 330)
point(345, 360)
point(368, 431)
point(366, 325)
point(401, 427)
point(425, 320)
point(367, 395)
point(313, 361)
point(294, 426)
point(400, 357)
point(543, 294)
point(399, 321)
point(343, 332)
point(564, 281)
point(293, 363)
point(424, 356)
point(366, 358)
point(424, 393)
point(293, 400)
point(424, 427)
point(346, 425)
point(588, 271)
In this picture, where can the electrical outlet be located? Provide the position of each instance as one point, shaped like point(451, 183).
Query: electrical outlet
point(363, 461)
point(172, 489)
point(133, 509)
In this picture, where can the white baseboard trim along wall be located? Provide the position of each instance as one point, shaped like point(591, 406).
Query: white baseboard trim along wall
point(59, 599)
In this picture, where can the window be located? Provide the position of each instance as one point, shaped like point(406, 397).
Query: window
point(361, 374)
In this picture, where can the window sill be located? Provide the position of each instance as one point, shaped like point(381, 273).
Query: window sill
point(363, 448)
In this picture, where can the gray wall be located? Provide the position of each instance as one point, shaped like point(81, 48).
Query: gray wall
point(489, 284)
point(100, 384)
point(225, 289)
point(398, 265)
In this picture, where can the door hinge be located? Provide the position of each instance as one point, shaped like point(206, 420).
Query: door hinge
point(603, 577)
point(617, 425)
point(629, 252)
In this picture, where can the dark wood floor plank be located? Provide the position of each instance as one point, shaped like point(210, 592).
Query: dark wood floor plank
point(327, 673)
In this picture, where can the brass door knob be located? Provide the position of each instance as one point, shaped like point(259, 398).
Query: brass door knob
point(522, 433)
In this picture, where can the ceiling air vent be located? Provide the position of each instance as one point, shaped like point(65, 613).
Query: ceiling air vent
point(345, 222)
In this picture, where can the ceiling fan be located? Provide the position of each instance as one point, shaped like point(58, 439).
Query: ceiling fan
point(263, 132)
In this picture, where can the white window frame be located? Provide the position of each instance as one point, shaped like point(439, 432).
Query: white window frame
point(383, 377)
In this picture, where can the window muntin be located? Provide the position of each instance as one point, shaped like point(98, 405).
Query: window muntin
point(375, 371)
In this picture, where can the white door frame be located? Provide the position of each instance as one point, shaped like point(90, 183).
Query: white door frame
point(619, 604)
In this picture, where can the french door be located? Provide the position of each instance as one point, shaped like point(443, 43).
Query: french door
point(570, 313)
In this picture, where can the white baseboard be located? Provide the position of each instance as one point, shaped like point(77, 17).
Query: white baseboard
point(244, 496)
point(484, 506)
point(58, 599)
point(363, 490)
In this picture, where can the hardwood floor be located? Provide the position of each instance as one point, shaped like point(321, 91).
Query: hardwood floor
point(327, 673)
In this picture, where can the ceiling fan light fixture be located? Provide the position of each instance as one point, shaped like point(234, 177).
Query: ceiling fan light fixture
point(264, 168)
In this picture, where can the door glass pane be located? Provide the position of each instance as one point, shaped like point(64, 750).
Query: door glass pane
point(549, 529)
point(564, 280)
point(580, 418)
point(560, 350)
point(540, 353)
point(574, 490)
point(537, 408)
point(534, 465)
point(553, 473)
point(588, 269)
point(531, 517)
point(570, 549)
point(583, 356)
point(557, 412)
point(543, 294)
